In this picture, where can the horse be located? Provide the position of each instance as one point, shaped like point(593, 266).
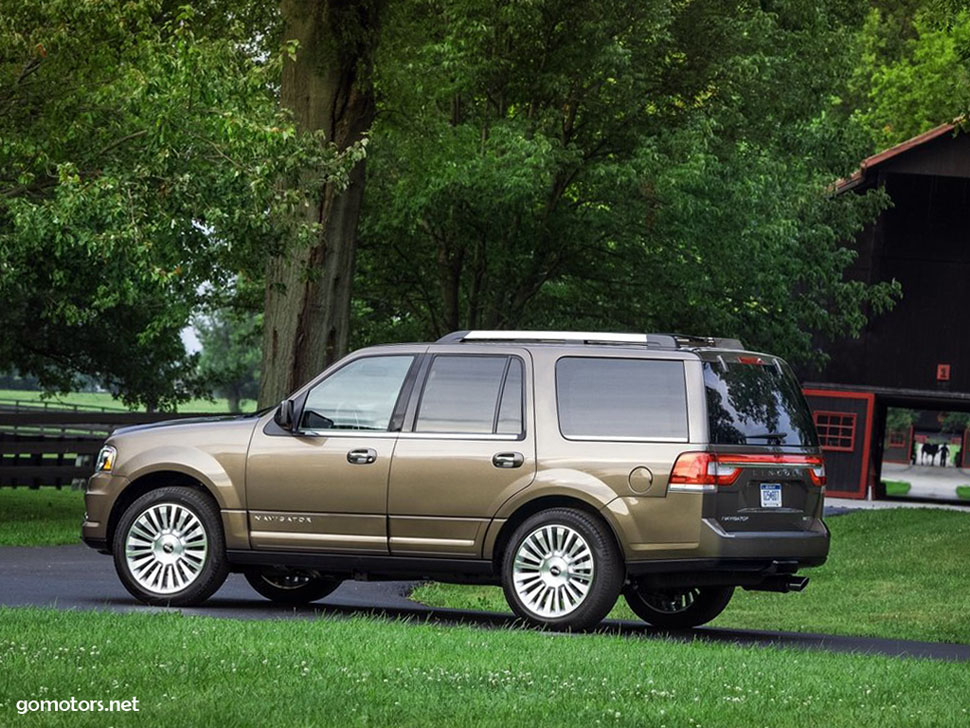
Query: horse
point(929, 449)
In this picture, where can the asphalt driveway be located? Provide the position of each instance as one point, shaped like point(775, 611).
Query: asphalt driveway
point(75, 577)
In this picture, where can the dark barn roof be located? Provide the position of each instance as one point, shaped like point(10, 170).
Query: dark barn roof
point(863, 176)
point(923, 242)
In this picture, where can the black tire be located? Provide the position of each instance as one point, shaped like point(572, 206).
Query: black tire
point(603, 585)
point(678, 608)
point(211, 569)
point(290, 587)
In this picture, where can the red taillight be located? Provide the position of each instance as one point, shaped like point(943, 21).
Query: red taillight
point(702, 468)
point(751, 360)
point(817, 473)
point(707, 468)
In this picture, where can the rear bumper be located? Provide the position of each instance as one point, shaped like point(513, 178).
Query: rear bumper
point(748, 559)
point(809, 547)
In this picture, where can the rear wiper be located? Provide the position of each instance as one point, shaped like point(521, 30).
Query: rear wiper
point(767, 436)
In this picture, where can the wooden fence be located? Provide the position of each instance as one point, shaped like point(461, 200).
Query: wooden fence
point(44, 447)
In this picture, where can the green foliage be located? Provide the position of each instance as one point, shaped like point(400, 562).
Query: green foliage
point(658, 166)
point(899, 419)
point(230, 357)
point(655, 165)
point(955, 421)
point(140, 158)
point(914, 72)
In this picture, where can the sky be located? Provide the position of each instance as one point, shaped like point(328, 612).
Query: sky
point(190, 340)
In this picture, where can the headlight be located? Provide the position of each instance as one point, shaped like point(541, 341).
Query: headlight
point(106, 459)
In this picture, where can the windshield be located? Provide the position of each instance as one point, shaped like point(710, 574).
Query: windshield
point(756, 404)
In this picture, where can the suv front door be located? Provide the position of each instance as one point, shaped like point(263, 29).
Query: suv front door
point(468, 444)
point(324, 487)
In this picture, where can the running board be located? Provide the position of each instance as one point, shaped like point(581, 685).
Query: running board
point(371, 566)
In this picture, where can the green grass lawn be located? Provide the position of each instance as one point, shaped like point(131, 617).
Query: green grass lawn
point(899, 573)
point(896, 487)
point(963, 492)
point(41, 517)
point(210, 672)
point(104, 399)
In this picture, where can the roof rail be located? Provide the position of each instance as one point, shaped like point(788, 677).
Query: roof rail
point(580, 337)
point(665, 341)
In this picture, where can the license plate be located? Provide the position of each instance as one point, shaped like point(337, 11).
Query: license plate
point(771, 495)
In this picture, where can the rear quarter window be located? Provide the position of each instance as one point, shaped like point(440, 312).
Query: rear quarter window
point(604, 398)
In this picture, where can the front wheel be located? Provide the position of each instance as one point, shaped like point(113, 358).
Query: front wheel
point(169, 548)
point(289, 586)
point(562, 570)
point(678, 608)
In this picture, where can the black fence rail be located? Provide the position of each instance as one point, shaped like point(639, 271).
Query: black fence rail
point(15, 404)
point(44, 447)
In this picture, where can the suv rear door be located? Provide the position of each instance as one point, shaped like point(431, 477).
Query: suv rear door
point(761, 430)
point(468, 444)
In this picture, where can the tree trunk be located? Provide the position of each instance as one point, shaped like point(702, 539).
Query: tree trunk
point(233, 398)
point(327, 87)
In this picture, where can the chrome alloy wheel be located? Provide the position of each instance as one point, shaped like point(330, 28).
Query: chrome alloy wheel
point(671, 602)
point(553, 571)
point(166, 548)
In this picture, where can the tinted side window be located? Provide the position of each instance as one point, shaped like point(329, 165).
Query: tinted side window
point(461, 395)
point(359, 396)
point(621, 398)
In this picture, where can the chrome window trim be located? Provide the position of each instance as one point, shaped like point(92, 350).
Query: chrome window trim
point(346, 433)
point(460, 436)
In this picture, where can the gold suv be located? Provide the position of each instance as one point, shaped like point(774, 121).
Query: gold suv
point(566, 466)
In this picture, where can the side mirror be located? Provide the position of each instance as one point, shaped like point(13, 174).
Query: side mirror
point(284, 416)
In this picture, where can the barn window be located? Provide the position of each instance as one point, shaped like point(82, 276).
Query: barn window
point(836, 430)
point(897, 438)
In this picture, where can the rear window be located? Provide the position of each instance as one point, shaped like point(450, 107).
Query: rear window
point(756, 404)
point(643, 399)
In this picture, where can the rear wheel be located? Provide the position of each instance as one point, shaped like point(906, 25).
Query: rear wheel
point(562, 570)
point(678, 608)
point(169, 548)
point(290, 586)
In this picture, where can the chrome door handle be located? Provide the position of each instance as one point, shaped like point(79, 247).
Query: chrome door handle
point(507, 459)
point(364, 456)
